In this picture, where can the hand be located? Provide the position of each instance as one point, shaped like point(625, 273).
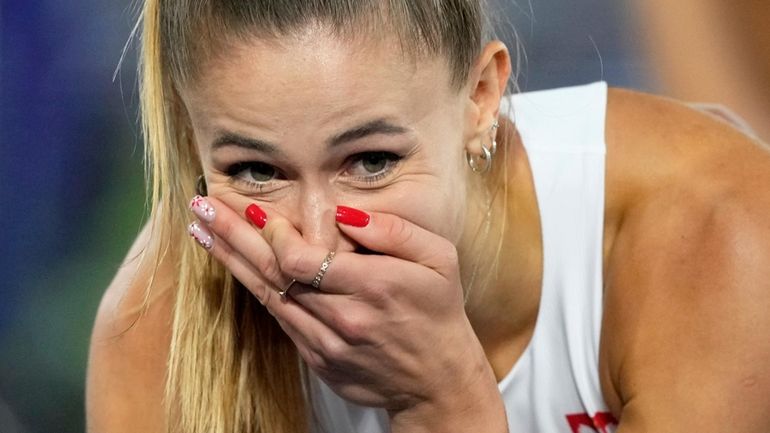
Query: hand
point(385, 330)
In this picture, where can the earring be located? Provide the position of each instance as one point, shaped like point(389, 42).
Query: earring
point(475, 162)
point(200, 186)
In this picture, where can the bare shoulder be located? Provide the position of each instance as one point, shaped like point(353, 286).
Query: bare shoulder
point(652, 138)
point(129, 347)
point(684, 340)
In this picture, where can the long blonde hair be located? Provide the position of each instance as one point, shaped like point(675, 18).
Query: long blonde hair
point(231, 369)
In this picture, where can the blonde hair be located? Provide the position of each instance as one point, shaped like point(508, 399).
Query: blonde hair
point(231, 369)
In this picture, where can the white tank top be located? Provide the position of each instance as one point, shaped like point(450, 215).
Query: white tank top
point(554, 386)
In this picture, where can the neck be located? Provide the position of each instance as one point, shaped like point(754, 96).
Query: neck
point(503, 261)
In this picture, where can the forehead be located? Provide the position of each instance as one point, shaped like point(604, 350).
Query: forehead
point(315, 77)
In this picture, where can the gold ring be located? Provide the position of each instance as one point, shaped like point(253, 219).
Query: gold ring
point(285, 291)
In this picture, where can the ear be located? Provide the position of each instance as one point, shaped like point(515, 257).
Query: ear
point(486, 86)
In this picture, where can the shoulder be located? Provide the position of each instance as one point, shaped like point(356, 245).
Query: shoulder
point(651, 137)
point(688, 278)
point(129, 345)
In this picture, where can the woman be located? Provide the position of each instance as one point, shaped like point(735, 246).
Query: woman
point(440, 257)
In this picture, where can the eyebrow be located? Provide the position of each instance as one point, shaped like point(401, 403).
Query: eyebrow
point(225, 138)
point(377, 126)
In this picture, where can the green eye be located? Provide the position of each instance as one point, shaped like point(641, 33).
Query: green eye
point(375, 162)
point(262, 172)
point(372, 166)
point(253, 172)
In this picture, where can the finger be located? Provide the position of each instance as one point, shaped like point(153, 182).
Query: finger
point(296, 257)
point(317, 343)
point(350, 318)
point(240, 235)
point(314, 353)
point(314, 339)
point(397, 237)
point(324, 306)
point(311, 335)
point(345, 272)
point(241, 268)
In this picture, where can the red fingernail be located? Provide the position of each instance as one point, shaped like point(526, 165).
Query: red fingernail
point(256, 215)
point(352, 217)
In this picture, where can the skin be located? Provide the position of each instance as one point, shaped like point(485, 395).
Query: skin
point(728, 53)
point(687, 247)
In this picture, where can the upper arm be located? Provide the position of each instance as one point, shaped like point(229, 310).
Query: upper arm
point(127, 359)
point(687, 330)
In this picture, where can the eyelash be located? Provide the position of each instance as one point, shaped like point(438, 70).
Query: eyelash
point(392, 161)
point(234, 170)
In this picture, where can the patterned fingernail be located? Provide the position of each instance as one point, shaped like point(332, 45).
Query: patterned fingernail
point(201, 235)
point(256, 215)
point(352, 217)
point(202, 208)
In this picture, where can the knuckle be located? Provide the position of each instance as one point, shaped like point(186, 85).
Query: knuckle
point(227, 229)
point(398, 231)
point(267, 300)
point(256, 286)
point(376, 291)
point(332, 350)
point(268, 266)
point(312, 359)
point(352, 329)
point(294, 263)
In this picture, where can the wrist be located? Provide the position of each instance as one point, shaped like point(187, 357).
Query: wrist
point(471, 406)
point(482, 416)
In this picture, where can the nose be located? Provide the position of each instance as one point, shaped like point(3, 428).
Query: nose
point(317, 219)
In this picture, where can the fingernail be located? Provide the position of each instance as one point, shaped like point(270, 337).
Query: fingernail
point(201, 235)
point(202, 208)
point(352, 217)
point(256, 215)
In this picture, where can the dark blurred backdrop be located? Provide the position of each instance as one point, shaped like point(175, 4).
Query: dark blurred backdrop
point(71, 194)
point(72, 184)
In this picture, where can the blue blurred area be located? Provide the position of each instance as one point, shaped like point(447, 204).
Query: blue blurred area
point(71, 185)
point(70, 165)
point(575, 42)
point(59, 115)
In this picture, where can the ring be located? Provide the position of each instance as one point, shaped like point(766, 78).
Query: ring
point(285, 291)
point(316, 283)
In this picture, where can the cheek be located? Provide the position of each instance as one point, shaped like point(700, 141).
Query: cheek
point(235, 200)
point(434, 208)
point(435, 200)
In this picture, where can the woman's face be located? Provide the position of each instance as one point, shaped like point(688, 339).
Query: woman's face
point(302, 125)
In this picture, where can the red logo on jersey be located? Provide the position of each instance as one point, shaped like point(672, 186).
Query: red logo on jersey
point(602, 422)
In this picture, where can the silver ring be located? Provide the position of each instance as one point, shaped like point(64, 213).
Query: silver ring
point(283, 292)
point(316, 283)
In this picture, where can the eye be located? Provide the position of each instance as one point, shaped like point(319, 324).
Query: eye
point(374, 162)
point(254, 172)
point(370, 165)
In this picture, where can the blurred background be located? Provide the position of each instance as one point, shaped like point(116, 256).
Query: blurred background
point(70, 152)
